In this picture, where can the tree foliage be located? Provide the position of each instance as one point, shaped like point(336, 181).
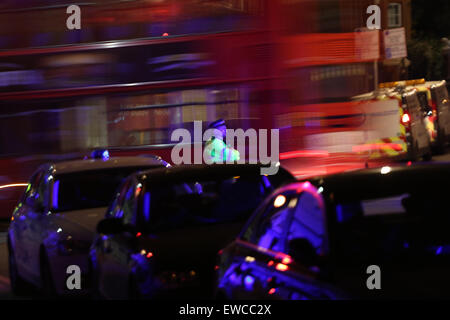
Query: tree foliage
point(431, 18)
point(430, 23)
point(427, 60)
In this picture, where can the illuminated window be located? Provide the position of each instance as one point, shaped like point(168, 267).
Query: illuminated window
point(394, 15)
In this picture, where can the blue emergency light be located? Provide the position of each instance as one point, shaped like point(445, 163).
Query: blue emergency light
point(100, 154)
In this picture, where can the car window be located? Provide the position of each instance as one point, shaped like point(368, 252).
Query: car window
point(249, 233)
point(129, 205)
point(115, 210)
point(42, 191)
point(225, 200)
point(38, 189)
point(423, 100)
point(89, 189)
point(269, 225)
point(309, 223)
point(272, 230)
point(33, 184)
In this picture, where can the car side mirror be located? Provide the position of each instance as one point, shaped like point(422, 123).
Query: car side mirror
point(302, 251)
point(111, 226)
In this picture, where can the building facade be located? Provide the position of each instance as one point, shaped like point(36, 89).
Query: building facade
point(394, 14)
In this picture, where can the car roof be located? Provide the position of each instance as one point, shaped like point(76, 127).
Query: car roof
point(186, 172)
point(421, 176)
point(99, 164)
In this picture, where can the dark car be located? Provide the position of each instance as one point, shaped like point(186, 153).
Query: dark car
point(162, 232)
point(372, 234)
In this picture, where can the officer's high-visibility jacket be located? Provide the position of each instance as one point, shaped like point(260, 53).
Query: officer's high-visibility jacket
point(219, 152)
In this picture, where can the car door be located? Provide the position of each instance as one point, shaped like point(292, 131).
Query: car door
point(440, 97)
point(418, 128)
point(255, 252)
point(275, 258)
point(116, 248)
point(37, 223)
point(20, 225)
point(294, 268)
point(308, 249)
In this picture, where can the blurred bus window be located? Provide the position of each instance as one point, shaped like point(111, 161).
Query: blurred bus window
point(120, 20)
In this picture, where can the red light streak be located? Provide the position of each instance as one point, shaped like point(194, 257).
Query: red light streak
point(304, 154)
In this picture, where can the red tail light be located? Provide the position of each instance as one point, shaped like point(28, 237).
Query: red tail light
point(406, 118)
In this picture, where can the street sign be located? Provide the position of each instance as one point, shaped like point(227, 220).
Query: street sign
point(395, 43)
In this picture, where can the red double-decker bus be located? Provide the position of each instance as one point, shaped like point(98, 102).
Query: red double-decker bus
point(160, 67)
point(137, 70)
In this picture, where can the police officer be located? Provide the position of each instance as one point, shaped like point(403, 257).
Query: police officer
point(217, 149)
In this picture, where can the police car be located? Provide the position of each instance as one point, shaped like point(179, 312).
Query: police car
point(54, 222)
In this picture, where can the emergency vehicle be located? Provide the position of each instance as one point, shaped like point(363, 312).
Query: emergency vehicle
point(383, 125)
point(396, 123)
point(433, 98)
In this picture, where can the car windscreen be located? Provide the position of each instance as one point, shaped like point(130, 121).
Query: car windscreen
point(206, 201)
point(393, 226)
point(88, 189)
